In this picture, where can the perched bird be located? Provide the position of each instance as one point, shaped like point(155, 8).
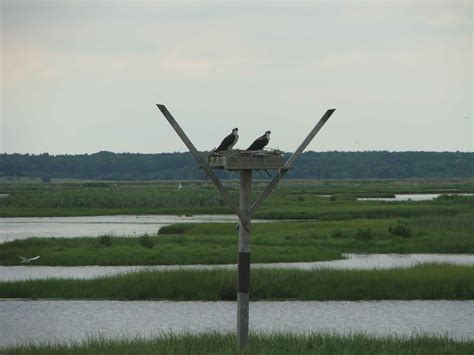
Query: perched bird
point(260, 142)
point(228, 142)
point(27, 260)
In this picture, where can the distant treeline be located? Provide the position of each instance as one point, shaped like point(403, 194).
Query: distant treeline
point(181, 166)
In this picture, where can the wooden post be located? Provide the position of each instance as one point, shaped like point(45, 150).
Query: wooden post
point(243, 283)
point(244, 211)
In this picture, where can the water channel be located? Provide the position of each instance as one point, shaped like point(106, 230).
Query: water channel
point(351, 262)
point(407, 197)
point(70, 227)
point(25, 321)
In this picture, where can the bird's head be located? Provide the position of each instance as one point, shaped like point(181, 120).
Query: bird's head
point(267, 133)
point(235, 130)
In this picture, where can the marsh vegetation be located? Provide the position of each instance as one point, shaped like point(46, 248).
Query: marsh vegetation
point(305, 199)
point(313, 221)
point(430, 281)
point(214, 343)
point(296, 241)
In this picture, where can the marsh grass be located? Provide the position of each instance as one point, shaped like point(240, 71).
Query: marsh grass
point(429, 281)
point(400, 229)
point(293, 199)
point(259, 343)
point(105, 240)
point(146, 241)
point(209, 243)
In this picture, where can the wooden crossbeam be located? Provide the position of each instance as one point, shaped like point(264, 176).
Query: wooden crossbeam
point(242, 216)
point(244, 211)
point(271, 186)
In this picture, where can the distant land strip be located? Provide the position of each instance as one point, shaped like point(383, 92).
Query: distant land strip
point(181, 166)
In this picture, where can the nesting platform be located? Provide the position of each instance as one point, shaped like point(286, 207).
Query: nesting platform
point(247, 160)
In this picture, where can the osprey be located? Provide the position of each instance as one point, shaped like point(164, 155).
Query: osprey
point(260, 142)
point(228, 142)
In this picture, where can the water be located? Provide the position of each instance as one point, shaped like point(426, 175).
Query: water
point(25, 321)
point(352, 262)
point(407, 197)
point(28, 227)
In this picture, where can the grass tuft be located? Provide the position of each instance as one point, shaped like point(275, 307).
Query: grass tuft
point(105, 240)
point(146, 241)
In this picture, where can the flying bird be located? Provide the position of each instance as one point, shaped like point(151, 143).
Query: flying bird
point(228, 142)
point(260, 142)
point(27, 260)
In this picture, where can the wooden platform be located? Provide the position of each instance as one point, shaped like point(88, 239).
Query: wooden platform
point(243, 159)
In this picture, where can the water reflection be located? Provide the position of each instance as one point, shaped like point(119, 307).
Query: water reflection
point(28, 227)
point(61, 321)
point(352, 261)
point(407, 197)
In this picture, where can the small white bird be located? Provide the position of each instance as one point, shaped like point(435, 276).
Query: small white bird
point(180, 186)
point(27, 260)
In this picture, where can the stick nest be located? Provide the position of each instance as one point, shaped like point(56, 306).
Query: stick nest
point(249, 153)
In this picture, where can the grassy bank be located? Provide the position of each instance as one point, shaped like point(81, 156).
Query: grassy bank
point(213, 343)
point(432, 281)
point(271, 242)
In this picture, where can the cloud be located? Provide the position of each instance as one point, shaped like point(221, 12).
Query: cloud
point(394, 64)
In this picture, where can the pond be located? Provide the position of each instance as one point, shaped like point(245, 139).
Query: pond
point(25, 321)
point(28, 227)
point(351, 261)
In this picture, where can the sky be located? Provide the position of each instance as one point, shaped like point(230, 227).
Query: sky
point(84, 76)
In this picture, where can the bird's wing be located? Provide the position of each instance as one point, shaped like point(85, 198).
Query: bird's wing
point(22, 258)
point(226, 142)
point(256, 143)
point(36, 257)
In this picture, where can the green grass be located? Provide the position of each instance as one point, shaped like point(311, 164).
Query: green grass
point(275, 344)
point(430, 281)
point(271, 242)
point(293, 199)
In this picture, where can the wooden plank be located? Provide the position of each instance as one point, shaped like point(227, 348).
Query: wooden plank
point(268, 190)
point(289, 163)
point(243, 218)
point(242, 162)
point(309, 138)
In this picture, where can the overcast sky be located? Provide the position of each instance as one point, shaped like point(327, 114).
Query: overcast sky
point(84, 76)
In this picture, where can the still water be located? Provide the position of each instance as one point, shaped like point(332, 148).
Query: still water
point(60, 321)
point(351, 261)
point(407, 197)
point(28, 227)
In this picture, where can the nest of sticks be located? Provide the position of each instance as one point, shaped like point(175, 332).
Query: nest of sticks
point(248, 153)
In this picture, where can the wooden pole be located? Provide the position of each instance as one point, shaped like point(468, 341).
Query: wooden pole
point(243, 283)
